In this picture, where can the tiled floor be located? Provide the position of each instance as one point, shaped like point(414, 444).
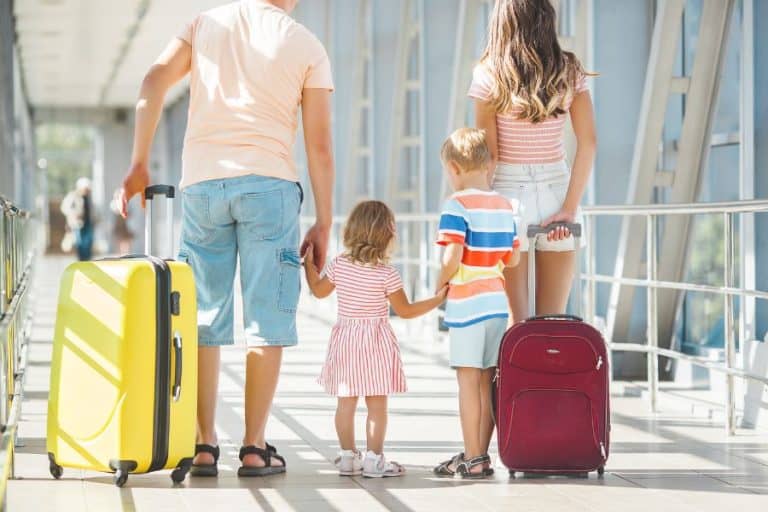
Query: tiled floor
point(670, 462)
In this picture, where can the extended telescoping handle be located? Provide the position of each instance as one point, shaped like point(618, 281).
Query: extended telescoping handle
point(534, 232)
point(149, 194)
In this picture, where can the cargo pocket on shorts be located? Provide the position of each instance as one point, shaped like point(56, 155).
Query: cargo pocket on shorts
point(289, 286)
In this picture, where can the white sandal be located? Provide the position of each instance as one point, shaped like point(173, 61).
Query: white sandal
point(376, 466)
point(349, 463)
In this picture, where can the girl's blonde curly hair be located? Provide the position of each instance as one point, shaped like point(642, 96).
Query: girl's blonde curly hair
point(369, 233)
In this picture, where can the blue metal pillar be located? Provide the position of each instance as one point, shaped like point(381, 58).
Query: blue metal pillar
point(761, 158)
point(7, 182)
point(626, 25)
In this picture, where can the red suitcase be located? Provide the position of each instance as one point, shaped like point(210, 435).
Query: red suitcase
point(551, 392)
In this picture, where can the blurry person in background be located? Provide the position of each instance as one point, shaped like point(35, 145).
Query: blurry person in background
point(77, 207)
point(122, 235)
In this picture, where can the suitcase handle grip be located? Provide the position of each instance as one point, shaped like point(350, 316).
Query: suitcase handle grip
point(535, 230)
point(556, 317)
point(161, 190)
point(176, 389)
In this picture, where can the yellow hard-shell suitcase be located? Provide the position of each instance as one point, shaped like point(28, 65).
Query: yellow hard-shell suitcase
point(123, 392)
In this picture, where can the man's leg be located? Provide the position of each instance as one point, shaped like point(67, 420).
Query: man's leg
point(207, 393)
point(208, 245)
point(267, 215)
point(262, 371)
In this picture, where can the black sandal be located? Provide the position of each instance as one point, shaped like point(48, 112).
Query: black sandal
point(444, 468)
point(266, 455)
point(465, 468)
point(207, 470)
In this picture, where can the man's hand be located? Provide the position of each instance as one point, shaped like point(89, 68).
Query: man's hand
point(134, 183)
point(316, 241)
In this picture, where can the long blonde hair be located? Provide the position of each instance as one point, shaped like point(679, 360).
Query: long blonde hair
point(528, 68)
point(369, 233)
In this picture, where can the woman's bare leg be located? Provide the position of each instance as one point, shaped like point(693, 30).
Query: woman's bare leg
point(554, 278)
point(516, 286)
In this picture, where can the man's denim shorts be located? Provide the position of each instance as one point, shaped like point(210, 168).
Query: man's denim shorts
point(257, 219)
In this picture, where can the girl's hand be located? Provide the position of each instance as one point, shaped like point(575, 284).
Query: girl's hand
point(442, 293)
point(561, 232)
point(309, 256)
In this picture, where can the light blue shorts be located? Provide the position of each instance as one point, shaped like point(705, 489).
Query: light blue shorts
point(477, 345)
point(257, 219)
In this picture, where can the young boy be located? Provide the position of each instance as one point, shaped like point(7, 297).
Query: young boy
point(477, 228)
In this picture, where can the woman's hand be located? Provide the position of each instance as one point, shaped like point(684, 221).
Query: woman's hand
point(560, 232)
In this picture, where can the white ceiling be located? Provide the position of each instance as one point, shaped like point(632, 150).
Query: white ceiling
point(91, 53)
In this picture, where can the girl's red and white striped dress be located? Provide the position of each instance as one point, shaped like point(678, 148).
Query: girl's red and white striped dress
point(363, 355)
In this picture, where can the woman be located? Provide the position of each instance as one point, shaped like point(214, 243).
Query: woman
point(524, 86)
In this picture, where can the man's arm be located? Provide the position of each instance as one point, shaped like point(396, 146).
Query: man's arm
point(316, 116)
point(170, 67)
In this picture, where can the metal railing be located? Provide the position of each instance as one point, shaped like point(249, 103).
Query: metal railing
point(653, 284)
point(16, 264)
point(418, 256)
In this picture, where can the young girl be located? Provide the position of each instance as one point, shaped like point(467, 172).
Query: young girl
point(363, 356)
point(525, 87)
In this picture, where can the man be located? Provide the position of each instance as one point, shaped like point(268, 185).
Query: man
point(77, 207)
point(250, 67)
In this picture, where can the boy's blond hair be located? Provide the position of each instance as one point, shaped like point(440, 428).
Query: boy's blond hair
point(468, 149)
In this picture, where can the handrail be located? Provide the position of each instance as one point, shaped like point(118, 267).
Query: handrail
point(17, 257)
point(750, 206)
point(415, 234)
point(621, 210)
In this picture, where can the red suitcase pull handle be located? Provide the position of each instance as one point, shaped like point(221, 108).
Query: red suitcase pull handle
point(573, 318)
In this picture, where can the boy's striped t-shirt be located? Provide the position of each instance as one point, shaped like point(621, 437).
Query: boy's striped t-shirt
point(483, 222)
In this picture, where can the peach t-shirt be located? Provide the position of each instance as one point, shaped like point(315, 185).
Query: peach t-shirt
point(250, 64)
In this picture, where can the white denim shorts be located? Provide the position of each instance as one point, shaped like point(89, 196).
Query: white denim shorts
point(539, 190)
